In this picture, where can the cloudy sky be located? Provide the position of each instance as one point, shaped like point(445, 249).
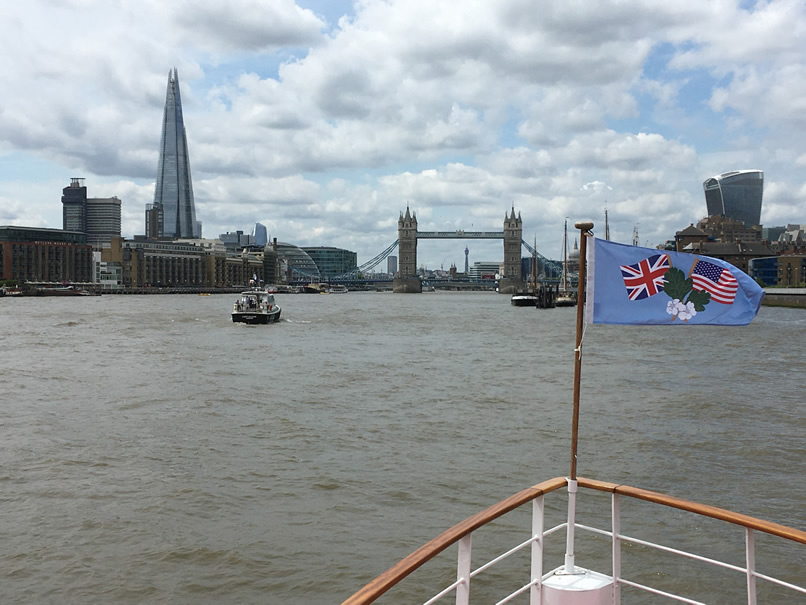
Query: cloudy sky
point(324, 119)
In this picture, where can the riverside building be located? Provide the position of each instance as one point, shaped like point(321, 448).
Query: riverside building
point(30, 254)
point(332, 261)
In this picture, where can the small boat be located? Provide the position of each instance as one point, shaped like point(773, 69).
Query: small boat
point(62, 291)
point(314, 288)
point(255, 306)
point(338, 289)
point(524, 299)
point(565, 300)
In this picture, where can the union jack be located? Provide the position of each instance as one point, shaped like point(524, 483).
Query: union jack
point(646, 278)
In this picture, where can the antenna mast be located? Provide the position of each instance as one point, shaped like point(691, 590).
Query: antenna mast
point(635, 235)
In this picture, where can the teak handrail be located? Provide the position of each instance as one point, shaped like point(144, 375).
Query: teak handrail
point(774, 529)
point(428, 551)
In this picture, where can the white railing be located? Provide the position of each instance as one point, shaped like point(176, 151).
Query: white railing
point(462, 534)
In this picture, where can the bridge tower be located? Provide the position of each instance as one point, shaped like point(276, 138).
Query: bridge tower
point(511, 281)
point(406, 279)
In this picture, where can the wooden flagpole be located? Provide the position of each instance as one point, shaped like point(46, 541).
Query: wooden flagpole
point(584, 228)
point(570, 568)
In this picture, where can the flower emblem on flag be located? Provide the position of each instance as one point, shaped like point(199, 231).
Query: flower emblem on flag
point(646, 278)
point(717, 281)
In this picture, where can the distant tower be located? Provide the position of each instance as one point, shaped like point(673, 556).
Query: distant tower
point(174, 190)
point(407, 243)
point(635, 235)
point(467, 266)
point(513, 235)
point(261, 236)
point(74, 206)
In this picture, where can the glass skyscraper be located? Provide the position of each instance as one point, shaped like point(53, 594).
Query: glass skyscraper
point(174, 190)
point(736, 194)
point(261, 235)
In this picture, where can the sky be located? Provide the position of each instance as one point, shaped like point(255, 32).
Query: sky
point(325, 119)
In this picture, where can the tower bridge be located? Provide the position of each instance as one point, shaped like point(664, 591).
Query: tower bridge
point(512, 236)
point(407, 279)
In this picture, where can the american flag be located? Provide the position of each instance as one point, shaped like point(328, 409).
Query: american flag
point(714, 279)
point(646, 278)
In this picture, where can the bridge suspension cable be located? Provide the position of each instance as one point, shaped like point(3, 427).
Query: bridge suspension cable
point(554, 265)
point(370, 264)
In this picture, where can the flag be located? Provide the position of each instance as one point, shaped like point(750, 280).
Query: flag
point(645, 278)
point(716, 280)
point(634, 285)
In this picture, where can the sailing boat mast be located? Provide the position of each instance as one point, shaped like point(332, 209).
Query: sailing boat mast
point(565, 257)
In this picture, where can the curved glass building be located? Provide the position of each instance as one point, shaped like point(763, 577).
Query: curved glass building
point(300, 265)
point(736, 194)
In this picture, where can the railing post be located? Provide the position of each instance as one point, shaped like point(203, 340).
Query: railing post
point(750, 558)
point(463, 571)
point(537, 550)
point(616, 521)
point(569, 535)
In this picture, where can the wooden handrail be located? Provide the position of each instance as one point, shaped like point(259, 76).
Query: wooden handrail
point(428, 551)
point(721, 514)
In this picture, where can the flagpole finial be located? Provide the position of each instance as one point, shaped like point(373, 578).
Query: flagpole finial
point(584, 225)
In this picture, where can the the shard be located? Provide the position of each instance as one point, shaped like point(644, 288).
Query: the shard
point(174, 190)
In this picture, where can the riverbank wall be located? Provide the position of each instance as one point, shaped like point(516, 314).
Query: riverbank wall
point(785, 297)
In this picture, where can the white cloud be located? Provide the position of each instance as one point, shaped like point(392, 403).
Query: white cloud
point(326, 128)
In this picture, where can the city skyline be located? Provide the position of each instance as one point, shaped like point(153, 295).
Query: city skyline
point(324, 120)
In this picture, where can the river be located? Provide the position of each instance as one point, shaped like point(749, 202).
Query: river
point(153, 451)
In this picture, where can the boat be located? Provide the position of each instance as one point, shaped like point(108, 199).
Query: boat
point(256, 306)
point(524, 299)
point(62, 291)
point(565, 298)
point(314, 288)
point(524, 578)
point(338, 289)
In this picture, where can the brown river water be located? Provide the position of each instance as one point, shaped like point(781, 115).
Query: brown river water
point(151, 451)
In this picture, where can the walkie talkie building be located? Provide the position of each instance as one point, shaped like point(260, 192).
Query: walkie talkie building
point(736, 194)
point(174, 190)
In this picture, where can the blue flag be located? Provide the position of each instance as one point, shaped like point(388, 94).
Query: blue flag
point(632, 285)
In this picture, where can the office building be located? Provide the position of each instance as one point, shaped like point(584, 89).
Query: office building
point(296, 263)
point(332, 261)
point(103, 220)
point(174, 188)
point(236, 242)
point(154, 221)
point(736, 195)
point(98, 218)
point(74, 206)
point(261, 235)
